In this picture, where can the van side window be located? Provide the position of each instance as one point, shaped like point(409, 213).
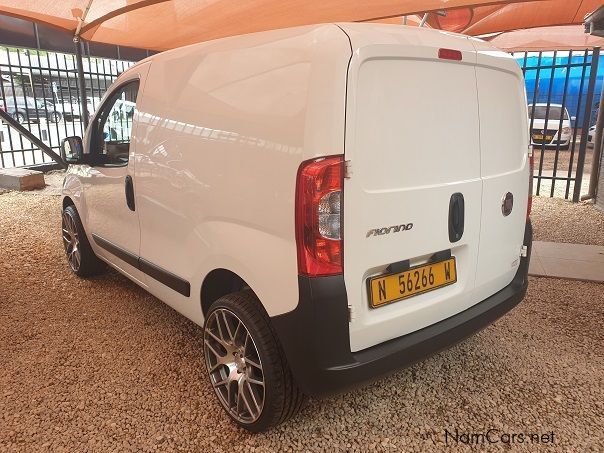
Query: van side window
point(113, 128)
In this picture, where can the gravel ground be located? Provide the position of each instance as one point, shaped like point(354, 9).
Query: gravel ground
point(559, 220)
point(54, 183)
point(100, 365)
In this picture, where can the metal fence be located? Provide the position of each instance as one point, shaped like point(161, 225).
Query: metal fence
point(563, 90)
point(40, 90)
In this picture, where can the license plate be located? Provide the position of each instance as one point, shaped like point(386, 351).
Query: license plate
point(542, 137)
point(385, 289)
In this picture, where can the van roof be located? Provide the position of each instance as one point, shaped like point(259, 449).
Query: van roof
point(359, 34)
point(405, 33)
point(241, 41)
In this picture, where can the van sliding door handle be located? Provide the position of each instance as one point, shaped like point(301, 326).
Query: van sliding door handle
point(129, 189)
point(456, 217)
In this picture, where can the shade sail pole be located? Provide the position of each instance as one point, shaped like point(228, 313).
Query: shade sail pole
point(83, 18)
point(77, 41)
point(424, 19)
point(595, 59)
point(81, 82)
point(595, 162)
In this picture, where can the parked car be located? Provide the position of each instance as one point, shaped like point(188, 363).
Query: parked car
point(54, 107)
point(71, 108)
point(284, 197)
point(26, 109)
point(558, 130)
point(591, 135)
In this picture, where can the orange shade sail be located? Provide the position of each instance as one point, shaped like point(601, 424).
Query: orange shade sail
point(495, 18)
point(570, 37)
point(530, 15)
point(165, 24)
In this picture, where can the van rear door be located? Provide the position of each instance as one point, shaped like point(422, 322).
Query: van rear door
point(413, 146)
point(505, 167)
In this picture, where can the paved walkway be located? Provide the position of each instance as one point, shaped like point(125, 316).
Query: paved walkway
point(573, 261)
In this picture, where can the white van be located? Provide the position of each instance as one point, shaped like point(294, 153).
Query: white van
point(287, 190)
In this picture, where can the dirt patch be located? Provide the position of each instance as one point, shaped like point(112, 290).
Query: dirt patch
point(564, 160)
point(558, 220)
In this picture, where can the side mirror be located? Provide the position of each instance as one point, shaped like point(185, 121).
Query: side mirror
point(72, 150)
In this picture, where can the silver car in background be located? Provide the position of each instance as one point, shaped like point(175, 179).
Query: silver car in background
point(542, 133)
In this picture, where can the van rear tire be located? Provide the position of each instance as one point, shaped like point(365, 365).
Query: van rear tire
point(246, 365)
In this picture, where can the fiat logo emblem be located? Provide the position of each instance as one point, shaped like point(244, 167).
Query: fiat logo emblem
point(507, 203)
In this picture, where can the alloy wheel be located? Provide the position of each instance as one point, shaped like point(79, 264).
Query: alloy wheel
point(71, 242)
point(234, 366)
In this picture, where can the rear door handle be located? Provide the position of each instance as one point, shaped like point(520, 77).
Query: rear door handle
point(456, 217)
point(129, 189)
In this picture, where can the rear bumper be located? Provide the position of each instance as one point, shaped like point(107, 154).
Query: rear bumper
point(315, 335)
point(552, 143)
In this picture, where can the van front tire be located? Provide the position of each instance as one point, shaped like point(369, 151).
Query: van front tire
point(246, 365)
point(80, 256)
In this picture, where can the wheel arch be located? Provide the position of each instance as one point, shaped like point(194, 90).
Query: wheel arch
point(73, 192)
point(67, 201)
point(220, 282)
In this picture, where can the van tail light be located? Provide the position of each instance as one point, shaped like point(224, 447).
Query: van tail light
point(529, 206)
point(319, 216)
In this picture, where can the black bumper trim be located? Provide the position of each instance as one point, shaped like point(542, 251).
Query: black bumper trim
point(316, 340)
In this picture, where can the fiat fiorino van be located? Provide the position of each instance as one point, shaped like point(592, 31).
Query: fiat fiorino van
point(288, 191)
